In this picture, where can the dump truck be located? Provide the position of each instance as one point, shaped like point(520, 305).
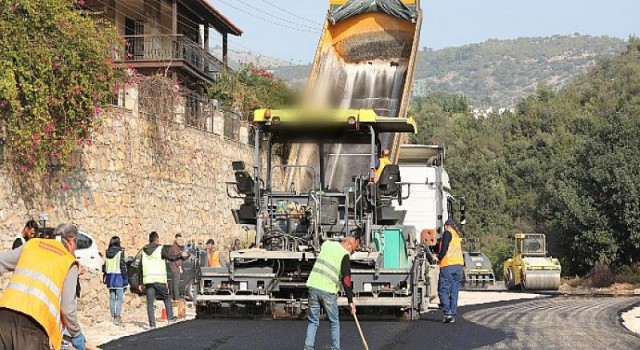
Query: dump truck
point(531, 268)
point(365, 59)
point(431, 202)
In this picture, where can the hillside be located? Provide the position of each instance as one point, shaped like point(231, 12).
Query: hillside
point(498, 72)
point(239, 58)
point(565, 164)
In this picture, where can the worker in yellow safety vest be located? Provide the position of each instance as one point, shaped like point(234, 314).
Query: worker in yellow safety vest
point(384, 160)
point(115, 277)
point(154, 275)
point(40, 298)
point(332, 268)
point(451, 264)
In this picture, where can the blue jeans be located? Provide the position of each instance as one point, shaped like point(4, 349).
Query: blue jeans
point(448, 288)
point(115, 301)
point(329, 303)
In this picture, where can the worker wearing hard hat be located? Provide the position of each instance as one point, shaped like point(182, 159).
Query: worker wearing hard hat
point(332, 267)
point(40, 298)
point(384, 160)
point(451, 264)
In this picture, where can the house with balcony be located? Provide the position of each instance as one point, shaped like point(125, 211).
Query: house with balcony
point(169, 36)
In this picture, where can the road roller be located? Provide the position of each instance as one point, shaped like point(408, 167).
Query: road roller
point(531, 268)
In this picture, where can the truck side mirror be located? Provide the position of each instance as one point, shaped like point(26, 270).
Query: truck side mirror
point(463, 211)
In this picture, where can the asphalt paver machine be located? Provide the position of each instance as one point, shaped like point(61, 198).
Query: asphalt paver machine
point(389, 270)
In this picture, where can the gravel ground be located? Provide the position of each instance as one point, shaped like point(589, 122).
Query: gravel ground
point(559, 322)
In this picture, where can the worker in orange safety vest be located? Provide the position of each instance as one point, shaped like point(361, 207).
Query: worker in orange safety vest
point(213, 258)
point(384, 160)
point(451, 264)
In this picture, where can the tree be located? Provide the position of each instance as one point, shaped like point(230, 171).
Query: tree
point(565, 164)
point(249, 89)
point(56, 75)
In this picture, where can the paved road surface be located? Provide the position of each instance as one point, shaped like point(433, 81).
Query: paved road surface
point(549, 323)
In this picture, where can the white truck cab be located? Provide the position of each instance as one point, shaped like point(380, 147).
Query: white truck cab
point(430, 202)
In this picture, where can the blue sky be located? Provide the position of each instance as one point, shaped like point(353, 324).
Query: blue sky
point(291, 32)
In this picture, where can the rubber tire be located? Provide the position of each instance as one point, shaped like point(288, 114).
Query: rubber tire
point(523, 285)
point(509, 282)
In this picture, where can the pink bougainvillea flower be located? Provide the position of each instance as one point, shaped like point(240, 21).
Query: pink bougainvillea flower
point(65, 186)
point(49, 128)
point(36, 139)
point(96, 111)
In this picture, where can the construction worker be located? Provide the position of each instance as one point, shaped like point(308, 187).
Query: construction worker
point(29, 231)
point(451, 264)
point(384, 160)
point(40, 298)
point(332, 267)
point(154, 275)
point(213, 258)
point(115, 277)
point(176, 267)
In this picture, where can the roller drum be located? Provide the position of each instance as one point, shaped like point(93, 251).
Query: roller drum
point(542, 280)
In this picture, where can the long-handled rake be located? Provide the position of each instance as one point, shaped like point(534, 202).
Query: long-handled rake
point(364, 341)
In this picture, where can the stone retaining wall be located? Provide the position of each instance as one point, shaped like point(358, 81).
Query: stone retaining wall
point(139, 175)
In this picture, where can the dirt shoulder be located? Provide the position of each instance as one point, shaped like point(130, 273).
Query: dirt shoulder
point(616, 289)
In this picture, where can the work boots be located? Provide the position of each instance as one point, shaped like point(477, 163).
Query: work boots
point(448, 319)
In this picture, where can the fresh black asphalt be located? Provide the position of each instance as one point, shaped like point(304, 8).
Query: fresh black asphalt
point(429, 332)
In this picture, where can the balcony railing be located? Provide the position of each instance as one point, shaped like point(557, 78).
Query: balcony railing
point(171, 48)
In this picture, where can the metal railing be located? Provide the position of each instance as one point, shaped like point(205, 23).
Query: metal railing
point(199, 113)
point(166, 48)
